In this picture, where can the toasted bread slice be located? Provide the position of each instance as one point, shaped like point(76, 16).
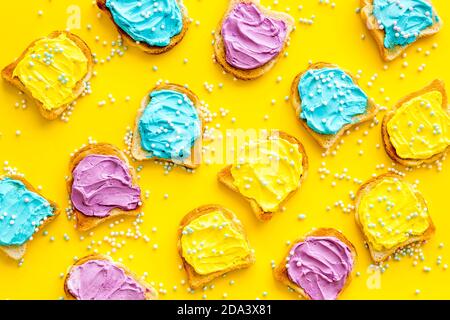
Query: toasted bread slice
point(436, 85)
point(196, 151)
point(225, 177)
point(380, 256)
point(324, 140)
point(8, 75)
point(15, 252)
point(18, 252)
point(281, 274)
point(379, 34)
point(83, 222)
point(150, 292)
point(197, 280)
point(219, 47)
point(142, 45)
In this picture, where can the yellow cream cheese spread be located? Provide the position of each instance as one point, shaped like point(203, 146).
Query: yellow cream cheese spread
point(51, 69)
point(392, 212)
point(212, 242)
point(268, 171)
point(420, 128)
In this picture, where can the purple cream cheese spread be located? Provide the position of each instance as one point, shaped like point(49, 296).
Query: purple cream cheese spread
point(320, 266)
point(103, 280)
point(102, 183)
point(250, 38)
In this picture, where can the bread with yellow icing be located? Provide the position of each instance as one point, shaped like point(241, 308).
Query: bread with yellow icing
point(83, 222)
point(150, 292)
point(391, 214)
point(18, 252)
point(324, 140)
point(219, 48)
point(231, 252)
point(226, 176)
point(280, 272)
point(53, 92)
point(378, 34)
point(142, 45)
point(195, 158)
point(410, 143)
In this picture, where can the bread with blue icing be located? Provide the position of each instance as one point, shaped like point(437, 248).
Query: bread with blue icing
point(17, 252)
point(328, 141)
point(186, 21)
point(195, 158)
point(389, 54)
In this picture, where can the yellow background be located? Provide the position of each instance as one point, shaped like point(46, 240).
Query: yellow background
point(43, 149)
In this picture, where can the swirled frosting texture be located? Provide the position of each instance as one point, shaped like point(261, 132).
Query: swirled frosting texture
point(51, 69)
point(391, 213)
point(420, 128)
point(268, 171)
point(212, 243)
point(250, 38)
point(403, 21)
point(103, 280)
point(21, 212)
point(169, 125)
point(330, 100)
point(154, 22)
point(320, 266)
point(103, 183)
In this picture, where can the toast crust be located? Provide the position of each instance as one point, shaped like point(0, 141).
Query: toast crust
point(280, 272)
point(140, 154)
point(436, 85)
point(7, 74)
point(219, 47)
point(328, 141)
point(224, 176)
point(380, 256)
point(84, 223)
point(197, 280)
point(142, 45)
point(18, 252)
point(379, 35)
point(150, 292)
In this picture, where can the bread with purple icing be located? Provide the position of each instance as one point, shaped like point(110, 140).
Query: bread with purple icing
point(98, 277)
point(318, 266)
point(102, 185)
point(251, 39)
